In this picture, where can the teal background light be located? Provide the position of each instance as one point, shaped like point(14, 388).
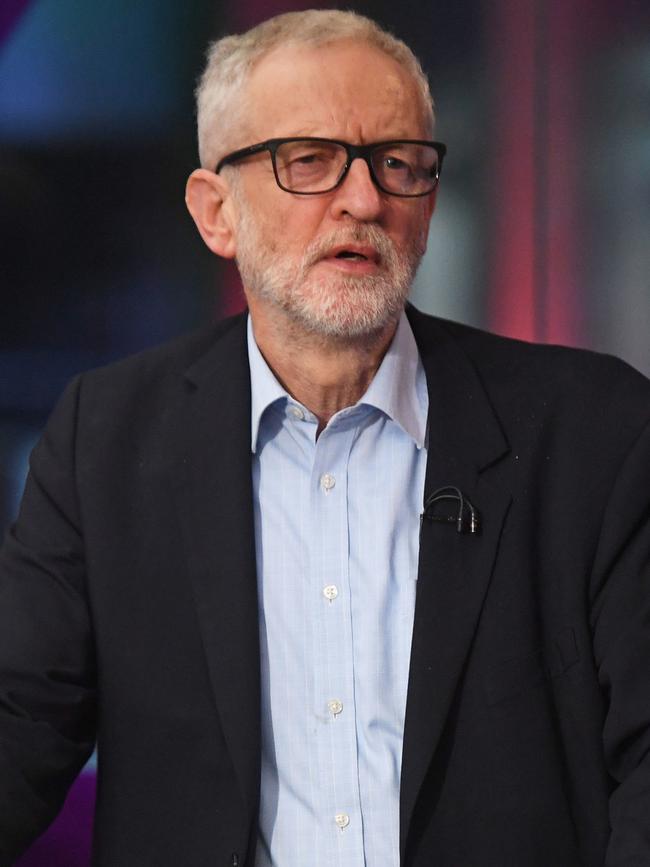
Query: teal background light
point(109, 69)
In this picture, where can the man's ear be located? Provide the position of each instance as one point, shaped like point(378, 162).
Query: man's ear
point(208, 200)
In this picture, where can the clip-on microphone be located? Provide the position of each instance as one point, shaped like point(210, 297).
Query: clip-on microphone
point(466, 517)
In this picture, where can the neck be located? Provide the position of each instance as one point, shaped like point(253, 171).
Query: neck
point(324, 374)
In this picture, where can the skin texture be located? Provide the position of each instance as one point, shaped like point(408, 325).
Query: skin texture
point(349, 91)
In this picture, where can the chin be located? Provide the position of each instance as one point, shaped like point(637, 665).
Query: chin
point(353, 309)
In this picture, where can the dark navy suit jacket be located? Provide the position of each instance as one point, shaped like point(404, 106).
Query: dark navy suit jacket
point(128, 612)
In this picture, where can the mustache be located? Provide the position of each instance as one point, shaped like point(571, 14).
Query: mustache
point(369, 235)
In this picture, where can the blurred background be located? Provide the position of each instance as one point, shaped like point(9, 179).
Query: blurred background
point(542, 230)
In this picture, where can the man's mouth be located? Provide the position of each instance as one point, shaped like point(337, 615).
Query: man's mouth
point(354, 253)
point(350, 254)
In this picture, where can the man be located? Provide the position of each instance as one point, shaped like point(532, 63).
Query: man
point(332, 584)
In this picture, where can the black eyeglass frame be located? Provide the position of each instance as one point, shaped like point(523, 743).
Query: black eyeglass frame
point(353, 152)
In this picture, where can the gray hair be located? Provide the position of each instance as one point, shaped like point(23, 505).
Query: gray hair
point(230, 61)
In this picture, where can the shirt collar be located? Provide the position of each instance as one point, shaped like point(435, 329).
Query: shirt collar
point(399, 388)
point(265, 389)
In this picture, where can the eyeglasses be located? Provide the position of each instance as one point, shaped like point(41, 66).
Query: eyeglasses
point(309, 166)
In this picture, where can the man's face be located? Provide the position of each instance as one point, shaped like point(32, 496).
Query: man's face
point(289, 246)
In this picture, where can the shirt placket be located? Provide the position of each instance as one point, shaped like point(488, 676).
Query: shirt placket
point(334, 700)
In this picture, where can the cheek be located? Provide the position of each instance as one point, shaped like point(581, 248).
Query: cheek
point(413, 231)
point(423, 237)
point(298, 225)
point(421, 230)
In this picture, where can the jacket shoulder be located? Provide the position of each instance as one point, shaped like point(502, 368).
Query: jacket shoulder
point(505, 362)
point(586, 393)
point(139, 392)
point(170, 359)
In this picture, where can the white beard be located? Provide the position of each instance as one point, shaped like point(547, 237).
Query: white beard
point(330, 305)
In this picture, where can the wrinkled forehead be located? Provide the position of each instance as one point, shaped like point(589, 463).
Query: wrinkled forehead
point(335, 90)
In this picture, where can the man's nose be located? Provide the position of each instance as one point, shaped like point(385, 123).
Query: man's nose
point(358, 195)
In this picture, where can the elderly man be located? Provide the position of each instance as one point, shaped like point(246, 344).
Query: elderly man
point(334, 583)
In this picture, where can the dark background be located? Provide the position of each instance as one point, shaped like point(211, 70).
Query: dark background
point(542, 229)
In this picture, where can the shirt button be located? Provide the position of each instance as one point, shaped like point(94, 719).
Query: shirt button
point(296, 412)
point(335, 706)
point(342, 820)
point(327, 482)
point(331, 592)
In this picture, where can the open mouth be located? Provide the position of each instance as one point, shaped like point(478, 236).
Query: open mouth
point(351, 254)
point(354, 258)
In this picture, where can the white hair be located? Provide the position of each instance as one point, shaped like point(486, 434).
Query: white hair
point(230, 61)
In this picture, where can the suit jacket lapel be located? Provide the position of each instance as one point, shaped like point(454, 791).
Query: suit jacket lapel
point(454, 570)
point(216, 512)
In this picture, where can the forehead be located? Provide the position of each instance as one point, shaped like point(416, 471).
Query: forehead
point(347, 90)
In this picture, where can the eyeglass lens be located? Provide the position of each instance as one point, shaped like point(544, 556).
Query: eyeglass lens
point(316, 166)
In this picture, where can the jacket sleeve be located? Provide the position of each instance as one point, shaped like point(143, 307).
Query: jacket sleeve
point(47, 666)
point(620, 619)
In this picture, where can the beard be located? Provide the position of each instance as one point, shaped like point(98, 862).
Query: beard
point(331, 305)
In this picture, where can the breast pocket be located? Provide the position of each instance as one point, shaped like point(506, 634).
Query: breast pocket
point(518, 675)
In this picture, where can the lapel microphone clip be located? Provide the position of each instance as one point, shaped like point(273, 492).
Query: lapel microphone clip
point(463, 515)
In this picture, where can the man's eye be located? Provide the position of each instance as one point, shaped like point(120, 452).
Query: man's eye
point(308, 159)
point(396, 164)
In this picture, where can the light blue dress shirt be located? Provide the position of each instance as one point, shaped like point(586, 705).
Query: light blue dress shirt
point(336, 533)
